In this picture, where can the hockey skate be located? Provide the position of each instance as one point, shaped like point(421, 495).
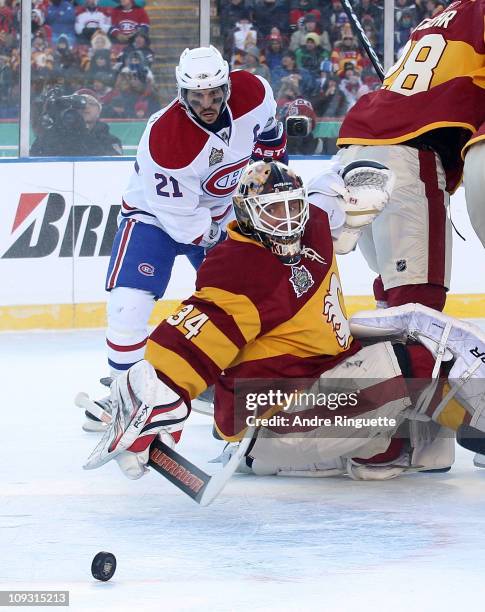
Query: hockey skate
point(204, 403)
point(91, 423)
point(479, 460)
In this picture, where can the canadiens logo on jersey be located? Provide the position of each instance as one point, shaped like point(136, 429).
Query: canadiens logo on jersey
point(216, 156)
point(301, 279)
point(223, 181)
point(333, 310)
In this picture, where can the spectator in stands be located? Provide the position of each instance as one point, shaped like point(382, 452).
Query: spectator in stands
point(350, 85)
point(64, 57)
point(101, 86)
point(330, 101)
point(42, 56)
point(346, 50)
point(271, 13)
point(90, 20)
point(129, 91)
point(311, 55)
point(429, 8)
point(253, 65)
point(244, 34)
point(366, 9)
point(103, 143)
point(38, 25)
point(403, 29)
point(100, 62)
point(277, 32)
point(298, 37)
point(78, 132)
point(141, 43)
point(100, 41)
point(274, 51)
point(306, 83)
point(127, 21)
point(7, 28)
point(231, 13)
point(135, 62)
point(337, 18)
point(404, 5)
point(308, 25)
point(304, 8)
point(6, 82)
point(60, 16)
point(288, 91)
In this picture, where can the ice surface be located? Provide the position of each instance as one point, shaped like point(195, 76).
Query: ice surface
point(415, 543)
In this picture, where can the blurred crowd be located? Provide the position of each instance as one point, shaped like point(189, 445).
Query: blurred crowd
point(307, 50)
point(99, 48)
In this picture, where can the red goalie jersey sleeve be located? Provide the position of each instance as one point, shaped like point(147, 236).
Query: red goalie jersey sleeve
point(478, 136)
point(252, 317)
point(439, 82)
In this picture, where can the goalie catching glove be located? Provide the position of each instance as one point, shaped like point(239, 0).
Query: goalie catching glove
point(143, 407)
point(352, 196)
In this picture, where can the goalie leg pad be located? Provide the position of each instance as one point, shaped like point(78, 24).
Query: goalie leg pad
point(445, 337)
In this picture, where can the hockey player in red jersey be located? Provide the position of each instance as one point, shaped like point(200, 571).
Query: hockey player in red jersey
point(268, 307)
point(178, 199)
point(430, 103)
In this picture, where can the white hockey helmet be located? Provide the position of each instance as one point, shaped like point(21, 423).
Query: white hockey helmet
point(202, 68)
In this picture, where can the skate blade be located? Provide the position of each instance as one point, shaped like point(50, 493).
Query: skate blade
point(91, 426)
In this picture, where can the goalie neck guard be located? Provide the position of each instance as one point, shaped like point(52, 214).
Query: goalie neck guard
point(271, 206)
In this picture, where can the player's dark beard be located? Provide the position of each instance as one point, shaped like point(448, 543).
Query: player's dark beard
point(221, 122)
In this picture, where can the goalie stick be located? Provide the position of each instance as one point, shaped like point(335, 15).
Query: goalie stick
point(365, 42)
point(203, 488)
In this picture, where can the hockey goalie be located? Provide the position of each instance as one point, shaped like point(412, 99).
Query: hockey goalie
point(268, 315)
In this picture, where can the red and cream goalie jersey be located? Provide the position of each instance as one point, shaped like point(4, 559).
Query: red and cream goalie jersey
point(254, 317)
point(185, 174)
point(435, 92)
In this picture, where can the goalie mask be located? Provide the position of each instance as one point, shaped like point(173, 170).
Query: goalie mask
point(271, 206)
point(200, 69)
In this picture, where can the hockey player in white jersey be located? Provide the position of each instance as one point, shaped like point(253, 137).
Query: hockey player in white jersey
point(178, 199)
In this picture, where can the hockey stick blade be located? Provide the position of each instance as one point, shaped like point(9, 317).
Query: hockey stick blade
point(194, 482)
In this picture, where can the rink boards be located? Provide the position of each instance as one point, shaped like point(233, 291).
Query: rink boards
point(58, 223)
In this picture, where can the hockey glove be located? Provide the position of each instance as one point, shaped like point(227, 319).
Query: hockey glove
point(143, 407)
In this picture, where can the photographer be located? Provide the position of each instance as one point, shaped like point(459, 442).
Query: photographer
point(300, 121)
point(70, 126)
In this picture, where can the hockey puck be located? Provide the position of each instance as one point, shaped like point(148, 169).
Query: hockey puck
point(103, 566)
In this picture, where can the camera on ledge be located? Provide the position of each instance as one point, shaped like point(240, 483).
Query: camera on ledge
point(63, 112)
point(298, 126)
